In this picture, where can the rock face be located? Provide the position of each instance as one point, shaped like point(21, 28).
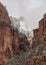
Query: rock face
point(9, 37)
point(4, 18)
point(5, 34)
point(4, 25)
point(42, 27)
point(24, 43)
point(40, 33)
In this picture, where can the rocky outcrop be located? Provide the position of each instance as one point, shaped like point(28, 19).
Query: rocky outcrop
point(40, 33)
point(24, 43)
point(10, 41)
point(5, 34)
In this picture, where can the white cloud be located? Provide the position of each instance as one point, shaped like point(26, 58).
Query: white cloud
point(31, 10)
point(31, 4)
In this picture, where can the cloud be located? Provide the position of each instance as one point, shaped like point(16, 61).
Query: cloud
point(31, 4)
point(31, 10)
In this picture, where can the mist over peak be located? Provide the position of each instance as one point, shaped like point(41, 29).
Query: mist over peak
point(21, 18)
point(20, 24)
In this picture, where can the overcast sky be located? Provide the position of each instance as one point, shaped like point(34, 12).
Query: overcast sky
point(31, 10)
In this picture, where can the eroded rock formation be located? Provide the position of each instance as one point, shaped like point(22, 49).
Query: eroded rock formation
point(9, 38)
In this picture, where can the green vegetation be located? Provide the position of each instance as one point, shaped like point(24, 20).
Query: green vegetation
point(18, 60)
